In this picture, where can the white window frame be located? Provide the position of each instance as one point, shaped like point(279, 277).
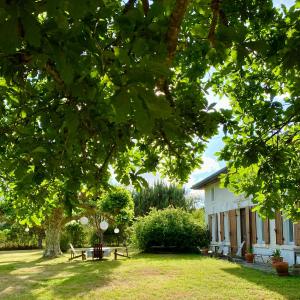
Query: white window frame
point(259, 229)
point(286, 232)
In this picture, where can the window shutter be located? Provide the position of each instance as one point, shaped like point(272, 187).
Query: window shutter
point(210, 226)
point(267, 231)
point(278, 228)
point(297, 233)
point(216, 228)
point(222, 236)
point(232, 232)
point(253, 227)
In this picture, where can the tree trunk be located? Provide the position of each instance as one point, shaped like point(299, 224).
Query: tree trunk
point(53, 229)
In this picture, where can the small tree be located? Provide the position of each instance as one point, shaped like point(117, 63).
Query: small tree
point(115, 206)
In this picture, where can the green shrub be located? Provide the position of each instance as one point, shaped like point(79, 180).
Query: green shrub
point(73, 233)
point(171, 228)
point(76, 234)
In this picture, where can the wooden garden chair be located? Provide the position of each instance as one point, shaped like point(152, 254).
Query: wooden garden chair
point(98, 252)
point(74, 254)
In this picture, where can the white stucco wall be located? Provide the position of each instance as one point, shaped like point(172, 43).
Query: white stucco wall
point(223, 201)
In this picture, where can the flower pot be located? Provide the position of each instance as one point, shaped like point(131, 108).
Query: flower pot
point(282, 268)
point(204, 251)
point(276, 259)
point(249, 257)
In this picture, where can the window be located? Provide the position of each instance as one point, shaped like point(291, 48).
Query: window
point(288, 231)
point(262, 230)
point(291, 231)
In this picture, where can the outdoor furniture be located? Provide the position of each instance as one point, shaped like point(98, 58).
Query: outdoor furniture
point(219, 251)
point(116, 254)
point(296, 254)
point(106, 251)
point(74, 254)
point(264, 258)
point(97, 252)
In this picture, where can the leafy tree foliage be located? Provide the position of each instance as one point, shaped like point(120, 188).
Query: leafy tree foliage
point(89, 84)
point(12, 232)
point(160, 196)
point(115, 206)
point(263, 140)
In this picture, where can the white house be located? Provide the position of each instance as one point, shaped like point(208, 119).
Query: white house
point(231, 221)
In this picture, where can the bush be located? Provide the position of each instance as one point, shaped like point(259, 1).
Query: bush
point(73, 233)
point(76, 234)
point(171, 228)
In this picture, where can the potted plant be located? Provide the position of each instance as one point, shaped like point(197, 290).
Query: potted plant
point(204, 251)
point(276, 257)
point(249, 256)
point(282, 268)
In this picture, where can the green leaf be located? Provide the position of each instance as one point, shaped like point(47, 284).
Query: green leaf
point(39, 149)
point(32, 30)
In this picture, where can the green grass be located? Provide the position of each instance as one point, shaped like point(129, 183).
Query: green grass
point(24, 275)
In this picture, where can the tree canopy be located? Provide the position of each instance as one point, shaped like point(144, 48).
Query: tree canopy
point(161, 196)
point(263, 140)
point(89, 85)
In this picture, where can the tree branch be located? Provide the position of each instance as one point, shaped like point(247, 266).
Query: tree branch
point(216, 12)
point(106, 161)
point(145, 6)
point(174, 27)
point(54, 74)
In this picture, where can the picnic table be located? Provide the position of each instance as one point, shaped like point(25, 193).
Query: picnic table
point(106, 252)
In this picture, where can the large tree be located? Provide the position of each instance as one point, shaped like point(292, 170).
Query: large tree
point(90, 84)
point(86, 85)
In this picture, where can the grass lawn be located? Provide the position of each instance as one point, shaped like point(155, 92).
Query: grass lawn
point(25, 275)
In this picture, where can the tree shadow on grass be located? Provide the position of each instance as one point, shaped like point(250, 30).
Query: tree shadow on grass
point(64, 279)
point(289, 287)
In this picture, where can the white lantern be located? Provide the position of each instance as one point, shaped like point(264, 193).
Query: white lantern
point(116, 230)
point(84, 220)
point(27, 229)
point(103, 225)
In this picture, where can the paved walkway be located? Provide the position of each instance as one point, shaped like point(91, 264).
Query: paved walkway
point(258, 266)
point(265, 267)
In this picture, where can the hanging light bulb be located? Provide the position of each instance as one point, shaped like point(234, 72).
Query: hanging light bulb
point(103, 225)
point(84, 220)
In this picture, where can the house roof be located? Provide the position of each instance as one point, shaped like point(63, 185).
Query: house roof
point(210, 179)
